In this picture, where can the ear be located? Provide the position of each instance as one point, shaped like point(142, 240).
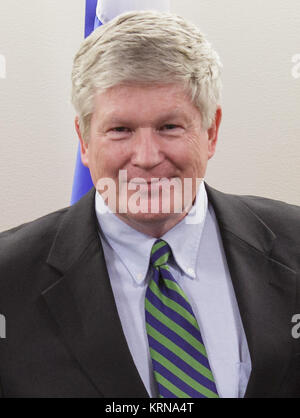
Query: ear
point(83, 146)
point(213, 132)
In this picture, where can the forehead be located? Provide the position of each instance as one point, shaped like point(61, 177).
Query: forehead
point(138, 101)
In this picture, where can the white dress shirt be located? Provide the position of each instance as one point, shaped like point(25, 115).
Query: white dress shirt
point(201, 270)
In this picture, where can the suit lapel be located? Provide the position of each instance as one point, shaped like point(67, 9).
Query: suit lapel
point(83, 306)
point(265, 290)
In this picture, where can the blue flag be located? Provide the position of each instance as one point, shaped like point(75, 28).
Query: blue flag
point(82, 182)
point(96, 13)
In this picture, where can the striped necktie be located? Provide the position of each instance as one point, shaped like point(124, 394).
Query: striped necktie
point(179, 358)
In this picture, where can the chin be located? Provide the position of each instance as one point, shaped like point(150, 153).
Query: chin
point(149, 218)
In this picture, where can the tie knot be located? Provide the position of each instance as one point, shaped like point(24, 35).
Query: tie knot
point(160, 253)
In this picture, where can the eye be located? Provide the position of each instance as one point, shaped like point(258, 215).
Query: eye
point(169, 127)
point(119, 132)
point(120, 129)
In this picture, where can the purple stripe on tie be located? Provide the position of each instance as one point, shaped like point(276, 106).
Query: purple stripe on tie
point(167, 275)
point(176, 339)
point(171, 294)
point(156, 276)
point(174, 316)
point(160, 252)
point(176, 297)
point(165, 392)
point(176, 380)
point(181, 364)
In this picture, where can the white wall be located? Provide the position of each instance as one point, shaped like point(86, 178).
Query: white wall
point(259, 143)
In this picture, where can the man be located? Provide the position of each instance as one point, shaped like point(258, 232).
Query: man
point(134, 292)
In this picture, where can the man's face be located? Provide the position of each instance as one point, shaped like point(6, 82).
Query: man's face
point(152, 132)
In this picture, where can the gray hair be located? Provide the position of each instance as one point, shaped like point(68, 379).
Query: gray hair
point(146, 47)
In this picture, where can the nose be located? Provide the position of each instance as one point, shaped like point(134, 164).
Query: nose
point(147, 152)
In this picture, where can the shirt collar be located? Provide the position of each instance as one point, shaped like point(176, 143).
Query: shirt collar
point(134, 247)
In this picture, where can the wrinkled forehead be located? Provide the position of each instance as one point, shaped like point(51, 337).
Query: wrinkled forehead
point(137, 100)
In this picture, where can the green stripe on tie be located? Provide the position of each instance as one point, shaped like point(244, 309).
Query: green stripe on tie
point(171, 285)
point(179, 352)
point(161, 260)
point(157, 246)
point(168, 385)
point(176, 328)
point(181, 375)
point(173, 305)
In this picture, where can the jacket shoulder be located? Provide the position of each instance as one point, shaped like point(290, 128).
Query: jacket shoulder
point(29, 242)
point(284, 221)
point(278, 215)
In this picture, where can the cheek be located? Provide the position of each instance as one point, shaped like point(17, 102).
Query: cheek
point(110, 157)
point(192, 153)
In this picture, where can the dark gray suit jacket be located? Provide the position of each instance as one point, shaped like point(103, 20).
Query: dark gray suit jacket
point(63, 334)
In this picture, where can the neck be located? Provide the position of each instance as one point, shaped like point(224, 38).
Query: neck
point(153, 227)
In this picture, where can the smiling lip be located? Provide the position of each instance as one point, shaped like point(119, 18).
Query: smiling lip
point(154, 180)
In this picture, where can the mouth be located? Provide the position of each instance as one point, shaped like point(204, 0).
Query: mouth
point(154, 180)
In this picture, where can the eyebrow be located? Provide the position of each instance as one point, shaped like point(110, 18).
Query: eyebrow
point(113, 118)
